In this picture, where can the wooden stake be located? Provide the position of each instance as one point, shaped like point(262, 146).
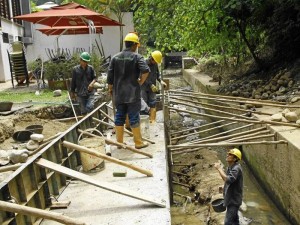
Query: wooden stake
point(252, 138)
point(104, 185)
point(108, 158)
point(26, 210)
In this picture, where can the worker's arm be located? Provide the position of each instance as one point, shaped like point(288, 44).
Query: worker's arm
point(142, 78)
point(110, 89)
point(218, 166)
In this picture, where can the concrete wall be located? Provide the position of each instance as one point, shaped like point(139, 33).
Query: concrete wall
point(275, 166)
point(110, 40)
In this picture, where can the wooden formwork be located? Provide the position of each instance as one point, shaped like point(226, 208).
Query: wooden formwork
point(34, 186)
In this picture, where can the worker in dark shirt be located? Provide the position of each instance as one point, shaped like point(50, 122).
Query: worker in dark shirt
point(83, 79)
point(149, 88)
point(127, 71)
point(233, 186)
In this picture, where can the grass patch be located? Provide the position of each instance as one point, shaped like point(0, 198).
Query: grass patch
point(45, 97)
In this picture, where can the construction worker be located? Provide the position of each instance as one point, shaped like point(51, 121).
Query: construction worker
point(127, 71)
point(233, 185)
point(149, 88)
point(83, 79)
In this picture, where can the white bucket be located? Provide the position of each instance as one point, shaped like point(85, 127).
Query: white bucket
point(144, 121)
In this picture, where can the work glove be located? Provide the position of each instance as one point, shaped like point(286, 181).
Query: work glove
point(163, 83)
point(153, 88)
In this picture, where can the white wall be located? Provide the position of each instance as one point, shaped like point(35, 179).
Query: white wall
point(15, 31)
point(110, 40)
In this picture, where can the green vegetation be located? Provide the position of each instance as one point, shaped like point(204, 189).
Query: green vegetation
point(45, 97)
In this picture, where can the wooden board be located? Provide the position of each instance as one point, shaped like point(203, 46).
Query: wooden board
point(107, 186)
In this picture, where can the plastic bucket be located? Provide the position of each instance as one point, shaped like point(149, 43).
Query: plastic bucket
point(218, 205)
point(88, 161)
point(37, 129)
point(144, 121)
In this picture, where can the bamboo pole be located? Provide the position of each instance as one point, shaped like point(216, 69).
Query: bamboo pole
point(35, 212)
point(202, 131)
point(181, 174)
point(69, 118)
point(196, 128)
point(173, 147)
point(181, 184)
point(213, 110)
point(223, 107)
point(230, 97)
point(10, 167)
point(249, 135)
point(242, 102)
point(108, 141)
point(204, 140)
point(125, 130)
point(240, 120)
point(187, 151)
point(108, 158)
point(252, 138)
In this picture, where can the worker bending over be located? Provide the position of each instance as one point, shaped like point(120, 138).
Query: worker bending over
point(149, 88)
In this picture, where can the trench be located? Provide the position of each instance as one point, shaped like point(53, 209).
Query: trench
point(260, 208)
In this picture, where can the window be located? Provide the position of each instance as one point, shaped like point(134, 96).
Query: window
point(4, 9)
point(5, 37)
point(16, 10)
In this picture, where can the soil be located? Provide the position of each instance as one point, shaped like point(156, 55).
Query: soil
point(12, 123)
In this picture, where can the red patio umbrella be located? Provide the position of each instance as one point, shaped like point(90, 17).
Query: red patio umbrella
point(69, 30)
point(71, 14)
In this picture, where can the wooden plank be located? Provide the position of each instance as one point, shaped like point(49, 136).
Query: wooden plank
point(104, 185)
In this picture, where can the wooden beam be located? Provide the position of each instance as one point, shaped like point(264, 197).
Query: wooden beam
point(108, 158)
point(26, 210)
point(104, 185)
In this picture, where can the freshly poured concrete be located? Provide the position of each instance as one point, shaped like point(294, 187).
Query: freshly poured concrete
point(96, 206)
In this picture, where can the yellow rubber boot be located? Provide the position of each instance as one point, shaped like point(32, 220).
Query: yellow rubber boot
point(137, 138)
point(152, 115)
point(119, 134)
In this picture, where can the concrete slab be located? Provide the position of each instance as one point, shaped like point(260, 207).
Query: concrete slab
point(95, 206)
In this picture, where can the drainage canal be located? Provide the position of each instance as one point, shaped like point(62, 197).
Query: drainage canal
point(195, 183)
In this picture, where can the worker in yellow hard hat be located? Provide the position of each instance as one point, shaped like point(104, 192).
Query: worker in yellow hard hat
point(233, 185)
point(149, 89)
point(127, 71)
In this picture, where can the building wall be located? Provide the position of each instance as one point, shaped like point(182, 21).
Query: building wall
point(15, 31)
point(110, 40)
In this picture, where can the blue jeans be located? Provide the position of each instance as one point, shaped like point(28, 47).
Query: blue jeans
point(133, 111)
point(149, 97)
point(232, 217)
point(86, 103)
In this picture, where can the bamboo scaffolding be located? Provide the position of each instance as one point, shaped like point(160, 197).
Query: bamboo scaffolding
point(213, 110)
point(222, 107)
point(173, 148)
point(240, 120)
point(205, 140)
point(40, 213)
point(202, 131)
point(222, 133)
point(187, 151)
point(229, 97)
point(241, 102)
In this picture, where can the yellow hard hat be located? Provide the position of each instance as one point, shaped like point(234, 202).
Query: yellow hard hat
point(132, 37)
point(236, 152)
point(157, 56)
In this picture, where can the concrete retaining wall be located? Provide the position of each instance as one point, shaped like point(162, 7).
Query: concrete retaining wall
point(277, 167)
